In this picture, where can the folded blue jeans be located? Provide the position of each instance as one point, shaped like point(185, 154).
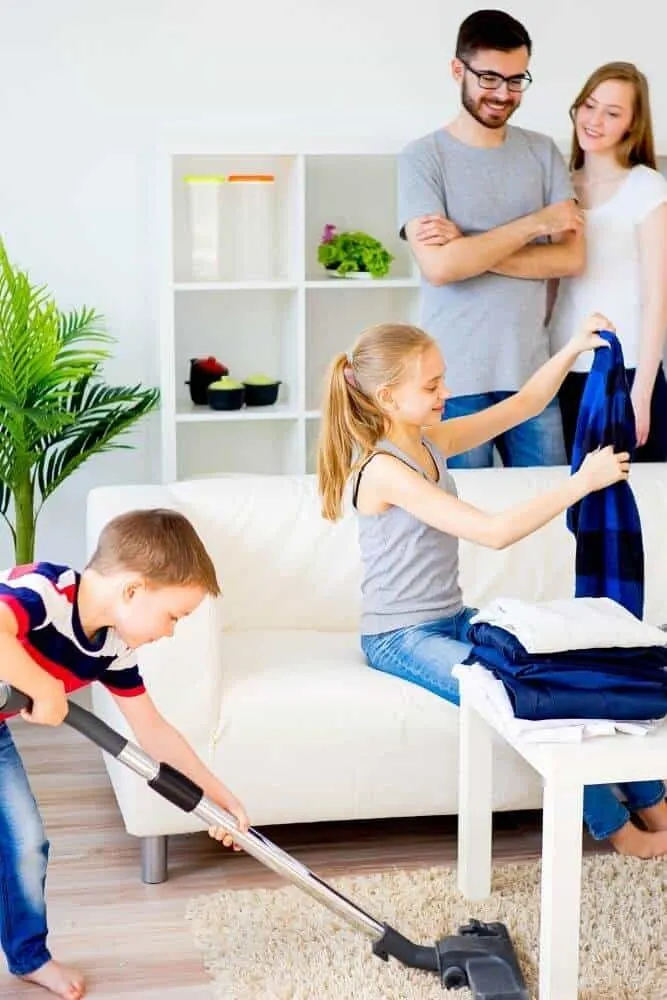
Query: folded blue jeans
point(23, 858)
point(426, 654)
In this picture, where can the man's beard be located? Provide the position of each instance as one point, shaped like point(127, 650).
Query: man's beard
point(476, 112)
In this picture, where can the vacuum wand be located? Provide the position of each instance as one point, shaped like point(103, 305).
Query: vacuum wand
point(480, 956)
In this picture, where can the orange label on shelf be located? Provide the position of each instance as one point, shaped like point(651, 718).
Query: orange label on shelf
point(250, 177)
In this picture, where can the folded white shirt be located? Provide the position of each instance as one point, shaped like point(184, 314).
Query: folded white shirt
point(573, 623)
point(493, 703)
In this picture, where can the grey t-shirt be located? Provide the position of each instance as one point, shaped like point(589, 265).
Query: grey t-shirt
point(410, 569)
point(490, 328)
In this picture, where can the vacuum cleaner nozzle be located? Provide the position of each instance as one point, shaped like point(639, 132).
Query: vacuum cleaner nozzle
point(481, 957)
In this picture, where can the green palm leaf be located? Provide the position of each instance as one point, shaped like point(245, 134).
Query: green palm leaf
point(101, 414)
point(55, 410)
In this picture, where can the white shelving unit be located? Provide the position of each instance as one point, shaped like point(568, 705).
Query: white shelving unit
point(288, 327)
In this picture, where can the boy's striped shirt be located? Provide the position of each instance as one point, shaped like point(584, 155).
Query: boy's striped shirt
point(42, 598)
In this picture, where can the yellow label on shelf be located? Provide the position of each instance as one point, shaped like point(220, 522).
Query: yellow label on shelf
point(205, 178)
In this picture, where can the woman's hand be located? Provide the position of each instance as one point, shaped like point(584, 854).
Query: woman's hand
point(641, 404)
point(232, 805)
point(588, 338)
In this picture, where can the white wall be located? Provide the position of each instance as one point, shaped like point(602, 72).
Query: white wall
point(88, 88)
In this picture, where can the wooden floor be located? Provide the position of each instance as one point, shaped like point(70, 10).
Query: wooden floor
point(131, 939)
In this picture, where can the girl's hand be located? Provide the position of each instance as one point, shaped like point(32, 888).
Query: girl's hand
point(642, 407)
point(587, 338)
point(232, 805)
point(604, 467)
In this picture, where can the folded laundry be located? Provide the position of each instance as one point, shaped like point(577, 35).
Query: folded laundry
point(494, 704)
point(623, 684)
point(631, 662)
point(569, 624)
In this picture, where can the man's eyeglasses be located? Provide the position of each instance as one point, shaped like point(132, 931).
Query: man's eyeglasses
point(492, 81)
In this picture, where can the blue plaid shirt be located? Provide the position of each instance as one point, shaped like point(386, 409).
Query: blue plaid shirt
point(606, 524)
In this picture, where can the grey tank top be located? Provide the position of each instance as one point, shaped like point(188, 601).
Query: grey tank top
point(410, 570)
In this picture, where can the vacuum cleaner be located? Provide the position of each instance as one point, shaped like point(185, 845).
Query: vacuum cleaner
point(480, 957)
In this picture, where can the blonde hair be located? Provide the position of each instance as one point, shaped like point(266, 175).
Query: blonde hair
point(637, 145)
point(352, 419)
point(160, 545)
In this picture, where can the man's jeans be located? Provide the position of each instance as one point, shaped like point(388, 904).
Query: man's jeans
point(23, 857)
point(426, 655)
point(538, 441)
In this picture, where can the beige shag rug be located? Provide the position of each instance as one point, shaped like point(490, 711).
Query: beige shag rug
point(279, 944)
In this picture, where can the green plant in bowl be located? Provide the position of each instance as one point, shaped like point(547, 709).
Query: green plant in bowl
point(353, 253)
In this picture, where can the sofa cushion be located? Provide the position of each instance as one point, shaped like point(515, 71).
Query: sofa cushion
point(281, 565)
point(359, 743)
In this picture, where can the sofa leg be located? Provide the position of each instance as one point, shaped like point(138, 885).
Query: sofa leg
point(153, 859)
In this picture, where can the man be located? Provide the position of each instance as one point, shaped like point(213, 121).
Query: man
point(489, 213)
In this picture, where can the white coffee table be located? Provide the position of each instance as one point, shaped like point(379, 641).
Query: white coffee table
point(565, 768)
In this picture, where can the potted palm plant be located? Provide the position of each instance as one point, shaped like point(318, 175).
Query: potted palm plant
point(55, 409)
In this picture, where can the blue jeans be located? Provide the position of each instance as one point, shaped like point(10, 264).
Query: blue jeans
point(23, 858)
point(426, 654)
point(603, 812)
point(538, 441)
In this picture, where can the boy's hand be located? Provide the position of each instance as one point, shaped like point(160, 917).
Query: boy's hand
point(49, 704)
point(232, 805)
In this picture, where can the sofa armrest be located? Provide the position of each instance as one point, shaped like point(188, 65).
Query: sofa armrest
point(182, 676)
point(183, 673)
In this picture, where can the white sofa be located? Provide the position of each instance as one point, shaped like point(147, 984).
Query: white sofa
point(268, 683)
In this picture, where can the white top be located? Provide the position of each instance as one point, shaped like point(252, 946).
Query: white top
point(611, 283)
point(570, 623)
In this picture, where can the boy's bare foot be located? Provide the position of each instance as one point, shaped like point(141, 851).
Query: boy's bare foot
point(654, 817)
point(639, 843)
point(59, 979)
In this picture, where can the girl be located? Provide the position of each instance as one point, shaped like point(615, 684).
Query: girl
point(381, 420)
point(624, 199)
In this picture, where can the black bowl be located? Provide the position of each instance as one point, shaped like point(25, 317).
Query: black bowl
point(226, 399)
point(261, 395)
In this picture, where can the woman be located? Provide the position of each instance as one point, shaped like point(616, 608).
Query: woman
point(624, 198)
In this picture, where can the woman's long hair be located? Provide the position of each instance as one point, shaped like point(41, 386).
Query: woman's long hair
point(352, 419)
point(637, 145)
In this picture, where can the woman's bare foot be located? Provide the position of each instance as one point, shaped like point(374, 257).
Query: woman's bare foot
point(59, 979)
point(654, 817)
point(639, 843)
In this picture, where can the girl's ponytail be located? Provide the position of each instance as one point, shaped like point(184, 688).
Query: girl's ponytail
point(352, 420)
point(352, 424)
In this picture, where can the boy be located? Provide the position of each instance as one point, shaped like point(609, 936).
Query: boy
point(59, 631)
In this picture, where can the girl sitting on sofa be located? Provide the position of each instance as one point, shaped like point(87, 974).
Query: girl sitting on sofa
point(382, 429)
